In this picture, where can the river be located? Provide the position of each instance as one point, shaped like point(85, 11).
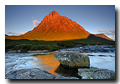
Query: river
point(47, 62)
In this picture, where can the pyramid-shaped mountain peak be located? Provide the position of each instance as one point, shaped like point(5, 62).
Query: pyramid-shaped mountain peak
point(54, 13)
point(55, 27)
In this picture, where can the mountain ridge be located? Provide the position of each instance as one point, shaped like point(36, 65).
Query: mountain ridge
point(55, 27)
point(103, 36)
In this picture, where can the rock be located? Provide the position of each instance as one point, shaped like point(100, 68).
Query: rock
point(111, 56)
point(102, 55)
point(95, 73)
point(28, 74)
point(34, 73)
point(90, 55)
point(89, 49)
point(19, 51)
point(38, 51)
point(73, 60)
point(62, 77)
point(112, 50)
point(78, 45)
point(98, 48)
point(12, 51)
point(104, 50)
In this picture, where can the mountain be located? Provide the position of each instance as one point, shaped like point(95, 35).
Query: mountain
point(55, 27)
point(103, 36)
point(6, 35)
point(95, 38)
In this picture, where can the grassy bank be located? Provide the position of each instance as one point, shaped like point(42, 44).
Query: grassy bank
point(26, 45)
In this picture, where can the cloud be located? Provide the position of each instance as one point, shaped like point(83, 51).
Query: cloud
point(35, 22)
point(110, 33)
point(16, 34)
point(21, 33)
point(11, 33)
point(101, 31)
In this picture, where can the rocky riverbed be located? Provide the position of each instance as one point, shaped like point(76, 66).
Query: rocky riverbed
point(96, 73)
point(21, 66)
point(73, 60)
point(45, 64)
point(90, 48)
point(33, 73)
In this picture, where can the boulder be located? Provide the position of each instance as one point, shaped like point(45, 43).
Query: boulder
point(73, 60)
point(96, 73)
point(34, 73)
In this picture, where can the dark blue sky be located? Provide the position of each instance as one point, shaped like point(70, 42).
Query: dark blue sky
point(19, 18)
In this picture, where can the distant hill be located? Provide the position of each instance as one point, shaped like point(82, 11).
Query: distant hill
point(6, 35)
point(55, 27)
point(103, 36)
point(93, 37)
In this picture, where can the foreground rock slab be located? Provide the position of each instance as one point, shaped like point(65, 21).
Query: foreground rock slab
point(73, 60)
point(34, 73)
point(96, 73)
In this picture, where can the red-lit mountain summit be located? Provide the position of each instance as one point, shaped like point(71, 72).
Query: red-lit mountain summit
point(55, 27)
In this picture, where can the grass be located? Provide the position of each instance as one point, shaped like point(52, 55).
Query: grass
point(25, 44)
point(93, 67)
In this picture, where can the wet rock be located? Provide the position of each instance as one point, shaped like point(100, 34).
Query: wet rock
point(38, 51)
point(90, 48)
point(98, 48)
point(102, 55)
point(90, 55)
point(28, 74)
point(95, 73)
point(73, 60)
point(111, 56)
point(62, 77)
point(33, 73)
point(67, 71)
point(11, 51)
point(104, 50)
point(78, 45)
point(19, 51)
point(112, 50)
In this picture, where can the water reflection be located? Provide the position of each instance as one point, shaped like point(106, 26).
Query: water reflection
point(73, 72)
point(48, 62)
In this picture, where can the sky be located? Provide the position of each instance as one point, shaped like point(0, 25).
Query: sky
point(20, 19)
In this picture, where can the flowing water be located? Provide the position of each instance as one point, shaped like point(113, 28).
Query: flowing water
point(47, 61)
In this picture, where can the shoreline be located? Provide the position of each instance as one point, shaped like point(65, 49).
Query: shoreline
point(34, 73)
point(27, 73)
point(77, 48)
point(45, 74)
